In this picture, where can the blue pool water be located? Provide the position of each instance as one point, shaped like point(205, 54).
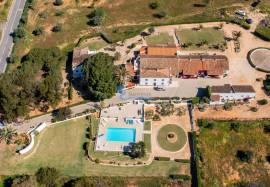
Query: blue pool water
point(121, 135)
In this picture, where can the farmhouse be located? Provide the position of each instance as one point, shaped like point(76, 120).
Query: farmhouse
point(158, 65)
point(227, 92)
point(79, 55)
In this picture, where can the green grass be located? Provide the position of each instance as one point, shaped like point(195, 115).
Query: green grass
point(165, 144)
point(210, 35)
point(147, 141)
point(60, 146)
point(160, 39)
point(218, 147)
point(147, 125)
point(4, 9)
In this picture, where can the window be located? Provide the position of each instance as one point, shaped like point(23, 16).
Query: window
point(155, 79)
point(162, 83)
point(146, 79)
point(162, 79)
point(146, 83)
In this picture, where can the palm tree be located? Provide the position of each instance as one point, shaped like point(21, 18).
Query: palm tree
point(7, 134)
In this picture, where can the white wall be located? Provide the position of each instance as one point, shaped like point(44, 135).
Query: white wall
point(235, 96)
point(154, 81)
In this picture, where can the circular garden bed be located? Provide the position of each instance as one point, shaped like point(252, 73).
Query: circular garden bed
point(259, 59)
point(171, 138)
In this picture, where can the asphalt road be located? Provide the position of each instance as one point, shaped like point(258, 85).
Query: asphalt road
point(7, 43)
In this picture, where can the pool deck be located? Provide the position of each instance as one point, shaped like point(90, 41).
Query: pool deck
point(116, 117)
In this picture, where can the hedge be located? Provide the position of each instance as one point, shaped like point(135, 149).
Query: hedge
point(182, 160)
point(263, 32)
point(180, 177)
point(160, 158)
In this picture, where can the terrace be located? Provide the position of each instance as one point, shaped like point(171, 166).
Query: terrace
point(119, 126)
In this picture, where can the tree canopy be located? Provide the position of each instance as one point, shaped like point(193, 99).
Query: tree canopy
point(99, 76)
point(35, 83)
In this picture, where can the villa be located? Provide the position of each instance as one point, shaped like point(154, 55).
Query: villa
point(227, 92)
point(120, 126)
point(158, 65)
point(79, 55)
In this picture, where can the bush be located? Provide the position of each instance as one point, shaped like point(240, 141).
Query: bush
point(62, 114)
point(235, 126)
point(156, 117)
point(244, 156)
point(58, 2)
point(97, 17)
point(38, 31)
point(254, 109)
point(18, 33)
point(160, 15)
point(195, 100)
point(97, 161)
point(47, 176)
point(162, 158)
point(154, 5)
point(262, 102)
point(57, 28)
point(137, 150)
point(228, 106)
point(43, 15)
point(59, 13)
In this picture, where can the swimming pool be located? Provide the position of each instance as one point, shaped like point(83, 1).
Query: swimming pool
point(121, 135)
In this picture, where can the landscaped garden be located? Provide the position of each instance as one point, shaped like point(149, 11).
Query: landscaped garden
point(160, 39)
point(171, 137)
point(202, 38)
point(61, 147)
point(241, 148)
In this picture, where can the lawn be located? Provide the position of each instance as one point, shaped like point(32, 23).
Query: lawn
point(218, 146)
point(147, 141)
point(147, 125)
point(193, 37)
point(179, 135)
point(160, 39)
point(60, 146)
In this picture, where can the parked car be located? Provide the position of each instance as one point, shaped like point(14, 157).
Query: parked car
point(159, 88)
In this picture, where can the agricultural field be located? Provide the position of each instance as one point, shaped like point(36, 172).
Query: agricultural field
point(200, 37)
point(241, 148)
point(60, 146)
point(123, 19)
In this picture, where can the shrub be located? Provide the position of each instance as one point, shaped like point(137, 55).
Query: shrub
point(262, 102)
point(58, 2)
point(38, 31)
point(254, 109)
point(59, 13)
point(97, 17)
point(156, 117)
point(137, 150)
point(117, 56)
point(244, 156)
point(235, 126)
point(160, 15)
point(149, 114)
point(57, 28)
point(154, 5)
point(47, 176)
point(43, 15)
point(267, 158)
point(151, 30)
point(266, 128)
point(228, 106)
point(166, 109)
point(195, 100)
point(97, 161)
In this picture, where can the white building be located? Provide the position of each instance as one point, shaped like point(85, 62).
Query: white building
point(227, 92)
point(159, 77)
